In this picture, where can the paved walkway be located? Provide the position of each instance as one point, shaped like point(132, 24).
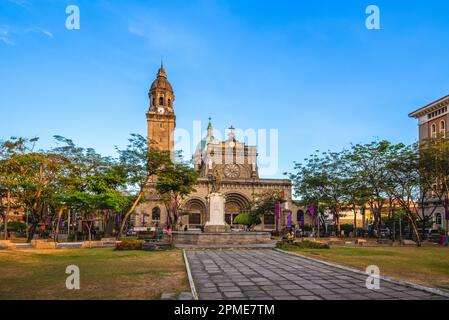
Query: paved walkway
point(269, 274)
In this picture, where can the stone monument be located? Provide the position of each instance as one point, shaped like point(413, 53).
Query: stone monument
point(216, 221)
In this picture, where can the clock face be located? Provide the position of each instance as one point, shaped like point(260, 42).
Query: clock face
point(160, 110)
point(232, 171)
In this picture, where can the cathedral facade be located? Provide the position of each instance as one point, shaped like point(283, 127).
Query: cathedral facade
point(229, 167)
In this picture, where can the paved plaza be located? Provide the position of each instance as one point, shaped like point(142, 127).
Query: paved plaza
point(270, 274)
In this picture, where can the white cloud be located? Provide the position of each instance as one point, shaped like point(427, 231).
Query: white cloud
point(21, 3)
point(166, 36)
point(40, 31)
point(5, 35)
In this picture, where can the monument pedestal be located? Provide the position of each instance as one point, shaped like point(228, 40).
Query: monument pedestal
point(216, 222)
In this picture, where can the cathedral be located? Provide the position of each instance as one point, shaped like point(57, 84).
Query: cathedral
point(233, 165)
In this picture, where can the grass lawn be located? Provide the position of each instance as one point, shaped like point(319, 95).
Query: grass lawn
point(104, 274)
point(426, 266)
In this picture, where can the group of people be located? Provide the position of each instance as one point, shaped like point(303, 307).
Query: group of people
point(289, 235)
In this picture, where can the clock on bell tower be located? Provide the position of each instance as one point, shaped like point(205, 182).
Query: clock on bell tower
point(161, 119)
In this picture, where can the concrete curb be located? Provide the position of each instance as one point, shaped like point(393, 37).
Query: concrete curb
point(387, 279)
point(189, 275)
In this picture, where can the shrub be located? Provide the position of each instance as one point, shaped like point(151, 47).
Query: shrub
point(347, 228)
point(247, 219)
point(302, 245)
point(15, 226)
point(307, 227)
point(129, 245)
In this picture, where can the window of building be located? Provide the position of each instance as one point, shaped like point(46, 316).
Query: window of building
point(438, 218)
point(169, 102)
point(156, 214)
point(161, 125)
point(443, 127)
point(161, 101)
point(434, 130)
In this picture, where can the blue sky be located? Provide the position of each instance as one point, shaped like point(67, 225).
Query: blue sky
point(308, 68)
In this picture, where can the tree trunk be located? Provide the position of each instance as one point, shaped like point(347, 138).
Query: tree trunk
point(125, 218)
point(355, 222)
point(415, 230)
point(55, 238)
point(8, 208)
point(394, 224)
point(31, 232)
point(89, 235)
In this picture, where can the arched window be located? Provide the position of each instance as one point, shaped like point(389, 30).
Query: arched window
point(161, 101)
point(434, 130)
point(156, 214)
point(438, 219)
point(154, 101)
point(169, 102)
point(443, 127)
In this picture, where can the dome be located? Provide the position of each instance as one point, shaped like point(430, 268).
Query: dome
point(209, 138)
point(161, 82)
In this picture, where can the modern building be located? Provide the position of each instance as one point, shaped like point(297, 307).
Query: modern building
point(233, 164)
point(432, 121)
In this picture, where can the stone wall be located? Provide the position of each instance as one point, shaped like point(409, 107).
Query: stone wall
point(229, 238)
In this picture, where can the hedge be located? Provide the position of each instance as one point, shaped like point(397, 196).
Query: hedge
point(129, 245)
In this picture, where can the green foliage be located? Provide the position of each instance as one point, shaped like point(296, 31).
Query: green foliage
point(247, 219)
point(129, 245)
point(264, 203)
point(372, 175)
point(15, 226)
point(302, 245)
point(347, 228)
point(175, 181)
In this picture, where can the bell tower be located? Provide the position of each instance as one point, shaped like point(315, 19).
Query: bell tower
point(161, 119)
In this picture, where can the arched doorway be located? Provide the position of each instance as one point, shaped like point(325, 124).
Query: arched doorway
point(234, 205)
point(196, 210)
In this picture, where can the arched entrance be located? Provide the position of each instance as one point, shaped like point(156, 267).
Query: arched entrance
point(234, 205)
point(196, 209)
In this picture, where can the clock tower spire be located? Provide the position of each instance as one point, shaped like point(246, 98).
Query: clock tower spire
point(161, 119)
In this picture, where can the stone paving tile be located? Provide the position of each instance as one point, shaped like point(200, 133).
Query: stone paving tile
point(269, 274)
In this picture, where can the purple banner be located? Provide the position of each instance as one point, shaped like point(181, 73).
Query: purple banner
point(277, 210)
point(312, 211)
point(289, 220)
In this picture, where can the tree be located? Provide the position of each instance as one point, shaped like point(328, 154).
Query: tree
point(323, 179)
point(142, 165)
point(175, 181)
point(403, 185)
point(434, 173)
point(264, 203)
point(370, 165)
point(247, 219)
